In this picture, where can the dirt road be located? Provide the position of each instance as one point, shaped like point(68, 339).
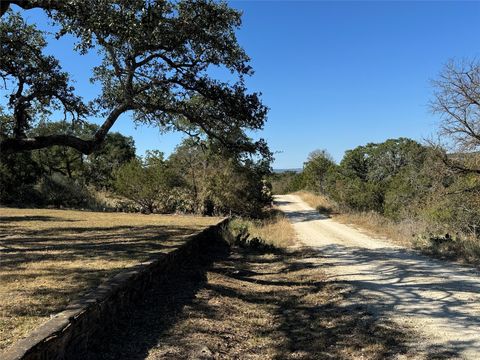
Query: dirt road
point(439, 300)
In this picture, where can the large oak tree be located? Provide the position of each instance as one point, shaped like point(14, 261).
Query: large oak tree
point(156, 61)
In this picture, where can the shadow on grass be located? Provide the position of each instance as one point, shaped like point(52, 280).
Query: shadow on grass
point(42, 269)
point(11, 219)
point(22, 246)
point(312, 320)
point(137, 332)
point(257, 306)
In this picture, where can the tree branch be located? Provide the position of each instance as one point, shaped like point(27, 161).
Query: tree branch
point(86, 147)
point(456, 166)
point(10, 145)
point(28, 4)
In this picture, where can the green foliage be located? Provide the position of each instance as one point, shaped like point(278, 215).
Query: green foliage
point(18, 176)
point(355, 193)
point(316, 170)
point(62, 160)
point(95, 169)
point(457, 205)
point(18, 173)
point(355, 163)
point(155, 61)
point(61, 191)
point(31, 178)
point(369, 177)
point(147, 182)
point(237, 188)
point(401, 179)
point(197, 178)
point(286, 182)
point(100, 166)
point(407, 192)
point(219, 183)
point(38, 84)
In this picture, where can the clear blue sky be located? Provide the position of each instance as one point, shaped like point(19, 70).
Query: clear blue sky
point(335, 75)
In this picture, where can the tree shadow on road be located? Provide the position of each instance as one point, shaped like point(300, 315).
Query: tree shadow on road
point(410, 284)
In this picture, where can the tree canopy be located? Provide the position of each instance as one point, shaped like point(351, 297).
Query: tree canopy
point(316, 168)
point(156, 58)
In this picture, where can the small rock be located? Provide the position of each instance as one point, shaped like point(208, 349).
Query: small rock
point(203, 353)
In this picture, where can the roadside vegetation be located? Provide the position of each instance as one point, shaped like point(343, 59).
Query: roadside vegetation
point(399, 189)
point(272, 231)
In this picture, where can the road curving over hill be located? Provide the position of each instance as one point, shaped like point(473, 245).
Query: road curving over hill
point(438, 300)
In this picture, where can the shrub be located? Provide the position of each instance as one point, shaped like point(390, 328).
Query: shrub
point(147, 182)
point(18, 175)
point(61, 191)
point(218, 182)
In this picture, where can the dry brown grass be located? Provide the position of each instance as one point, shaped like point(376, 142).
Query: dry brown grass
point(461, 248)
point(403, 233)
point(49, 257)
point(320, 202)
point(275, 230)
point(258, 306)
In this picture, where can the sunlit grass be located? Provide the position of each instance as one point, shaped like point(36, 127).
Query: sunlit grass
point(274, 230)
point(318, 201)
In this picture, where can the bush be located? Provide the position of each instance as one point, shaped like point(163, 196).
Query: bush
point(180, 200)
point(357, 194)
point(148, 183)
point(368, 176)
point(18, 175)
point(61, 191)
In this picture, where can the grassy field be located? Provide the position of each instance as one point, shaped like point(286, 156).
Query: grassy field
point(49, 257)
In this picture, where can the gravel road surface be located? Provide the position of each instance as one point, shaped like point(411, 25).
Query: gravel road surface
point(438, 300)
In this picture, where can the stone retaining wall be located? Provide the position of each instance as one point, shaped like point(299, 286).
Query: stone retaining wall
point(68, 334)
